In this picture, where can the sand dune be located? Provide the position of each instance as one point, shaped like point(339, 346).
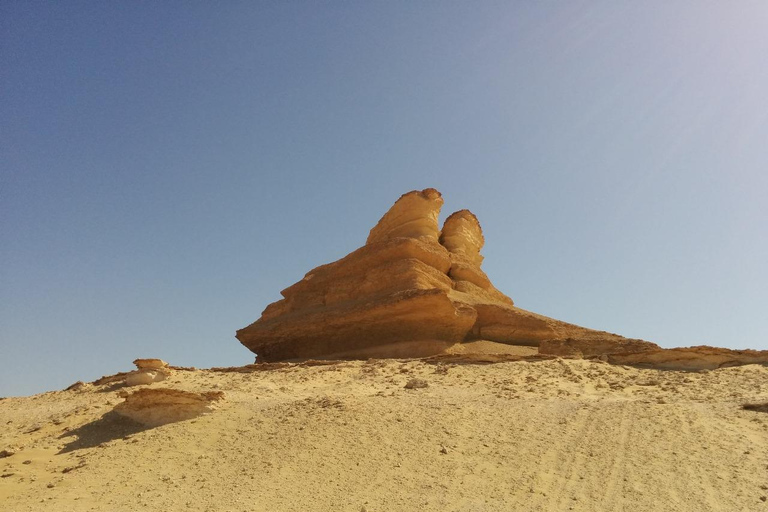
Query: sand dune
point(547, 435)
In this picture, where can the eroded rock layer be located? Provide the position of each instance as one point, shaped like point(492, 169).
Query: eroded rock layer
point(414, 215)
point(700, 357)
point(148, 371)
point(154, 407)
point(412, 290)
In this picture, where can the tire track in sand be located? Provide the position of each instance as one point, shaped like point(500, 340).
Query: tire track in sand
point(617, 472)
point(568, 456)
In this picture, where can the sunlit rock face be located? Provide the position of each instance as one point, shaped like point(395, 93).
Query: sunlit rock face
point(414, 215)
point(148, 371)
point(412, 290)
point(463, 236)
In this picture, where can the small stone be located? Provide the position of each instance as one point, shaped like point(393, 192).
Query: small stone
point(27, 462)
point(51, 485)
point(416, 384)
point(6, 453)
point(443, 450)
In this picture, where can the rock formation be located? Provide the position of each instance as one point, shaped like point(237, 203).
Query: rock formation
point(149, 371)
point(153, 407)
point(594, 347)
point(412, 290)
point(645, 354)
point(690, 358)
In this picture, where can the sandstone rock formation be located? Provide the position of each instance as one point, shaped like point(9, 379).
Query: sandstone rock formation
point(690, 358)
point(149, 371)
point(414, 215)
point(646, 354)
point(594, 347)
point(150, 364)
point(412, 290)
point(154, 407)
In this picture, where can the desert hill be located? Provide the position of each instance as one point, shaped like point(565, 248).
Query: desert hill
point(539, 434)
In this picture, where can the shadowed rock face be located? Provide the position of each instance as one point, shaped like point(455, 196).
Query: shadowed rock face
point(154, 407)
point(412, 290)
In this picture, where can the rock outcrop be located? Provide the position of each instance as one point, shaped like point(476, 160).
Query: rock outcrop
point(645, 354)
point(700, 357)
point(596, 346)
point(412, 290)
point(154, 407)
point(149, 371)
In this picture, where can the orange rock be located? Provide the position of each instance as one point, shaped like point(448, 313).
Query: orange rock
point(605, 344)
point(691, 358)
point(463, 236)
point(414, 215)
point(410, 291)
point(151, 364)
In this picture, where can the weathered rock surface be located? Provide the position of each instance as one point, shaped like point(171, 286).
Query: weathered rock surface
point(149, 371)
point(414, 215)
point(463, 237)
point(597, 346)
point(690, 358)
point(412, 290)
point(154, 407)
point(150, 364)
point(643, 353)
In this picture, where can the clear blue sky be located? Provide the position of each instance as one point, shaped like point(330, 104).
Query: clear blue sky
point(166, 168)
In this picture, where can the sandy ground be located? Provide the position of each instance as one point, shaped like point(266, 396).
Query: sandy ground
point(551, 435)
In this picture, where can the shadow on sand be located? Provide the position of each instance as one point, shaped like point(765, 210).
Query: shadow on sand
point(109, 427)
point(759, 407)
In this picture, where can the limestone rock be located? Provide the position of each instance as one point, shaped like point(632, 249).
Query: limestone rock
point(414, 215)
point(158, 406)
point(140, 377)
point(646, 354)
point(691, 358)
point(78, 386)
point(150, 364)
point(149, 371)
point(410, 291)
point(597, 346)
point(463, 236)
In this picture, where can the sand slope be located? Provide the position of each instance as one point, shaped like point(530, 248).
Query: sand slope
point(543, 436)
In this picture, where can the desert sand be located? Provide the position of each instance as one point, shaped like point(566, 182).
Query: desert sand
point(437, 434)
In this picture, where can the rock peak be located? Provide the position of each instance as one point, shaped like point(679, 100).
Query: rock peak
point(410, 291)
point(414, 215)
